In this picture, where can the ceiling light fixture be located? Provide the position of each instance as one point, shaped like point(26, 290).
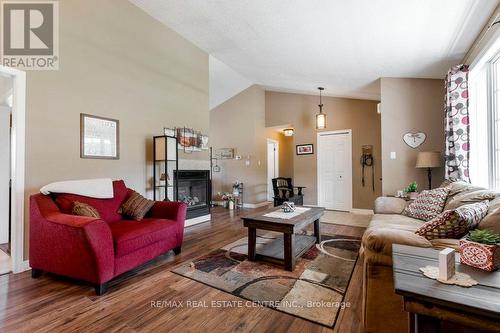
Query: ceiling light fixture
point(288, 131)
point(320, 117)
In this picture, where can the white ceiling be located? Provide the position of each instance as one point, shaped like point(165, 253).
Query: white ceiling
point(345, 46)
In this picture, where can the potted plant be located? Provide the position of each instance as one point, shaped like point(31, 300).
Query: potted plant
point(411, 190)
point(480, 249)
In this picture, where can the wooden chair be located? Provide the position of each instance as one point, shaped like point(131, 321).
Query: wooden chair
point(284, 191)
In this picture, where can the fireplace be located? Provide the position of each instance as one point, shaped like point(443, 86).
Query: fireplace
point(193, 188)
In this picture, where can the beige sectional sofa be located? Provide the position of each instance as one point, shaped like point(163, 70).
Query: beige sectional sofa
point(382, 308)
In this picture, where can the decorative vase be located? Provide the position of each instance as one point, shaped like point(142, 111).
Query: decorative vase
point(231, 205)
point(482, 256)
point(412, 195)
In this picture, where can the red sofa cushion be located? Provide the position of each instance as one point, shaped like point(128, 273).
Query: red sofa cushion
point(130, 236)
point(107, 208)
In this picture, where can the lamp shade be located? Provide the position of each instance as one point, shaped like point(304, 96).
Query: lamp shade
point(429, 159)
point(320, 121)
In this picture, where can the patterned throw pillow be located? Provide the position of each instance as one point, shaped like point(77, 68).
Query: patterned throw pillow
point(136, 207)
point(428, 204)
point(454, 223)
point(83, 209)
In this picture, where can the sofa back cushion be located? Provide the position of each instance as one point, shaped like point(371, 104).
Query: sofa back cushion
point(460, 187)
point(492, 220)
point(107, 208)
point(469, 197)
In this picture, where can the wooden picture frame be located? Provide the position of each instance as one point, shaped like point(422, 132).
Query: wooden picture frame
point(305, 149)
point(99, 130)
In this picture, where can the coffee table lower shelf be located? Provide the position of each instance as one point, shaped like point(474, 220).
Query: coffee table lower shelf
point(274, 251)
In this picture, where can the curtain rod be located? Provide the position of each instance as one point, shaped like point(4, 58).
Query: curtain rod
point(480, 38)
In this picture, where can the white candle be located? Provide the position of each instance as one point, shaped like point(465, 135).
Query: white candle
point(446, 264)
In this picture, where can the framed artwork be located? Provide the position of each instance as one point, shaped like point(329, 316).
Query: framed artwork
point(189, 139)
point(414, 140)
point(307, 149)
point(99, 137)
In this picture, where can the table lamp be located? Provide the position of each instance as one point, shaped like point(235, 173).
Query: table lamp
point(428, 160)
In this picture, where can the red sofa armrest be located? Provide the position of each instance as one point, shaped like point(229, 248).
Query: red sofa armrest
point(74, 246)
point(171, 210)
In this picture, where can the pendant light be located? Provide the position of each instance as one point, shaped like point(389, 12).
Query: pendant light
point(320, 117)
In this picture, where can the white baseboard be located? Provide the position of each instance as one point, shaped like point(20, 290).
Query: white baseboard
point(362, 211)
point(353, 210)
point(22, 267)
point(197, 220)
point(257, 205)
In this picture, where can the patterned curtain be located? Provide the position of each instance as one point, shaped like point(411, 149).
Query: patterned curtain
point(457, 123)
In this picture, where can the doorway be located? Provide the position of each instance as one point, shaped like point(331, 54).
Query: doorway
point(12, 181)
point(6, 91)
point(335, 170)
point(272, 166)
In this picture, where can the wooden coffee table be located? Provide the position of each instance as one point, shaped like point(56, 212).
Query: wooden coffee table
point(286, 249)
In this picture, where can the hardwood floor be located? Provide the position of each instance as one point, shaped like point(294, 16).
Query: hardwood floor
point(55, 304)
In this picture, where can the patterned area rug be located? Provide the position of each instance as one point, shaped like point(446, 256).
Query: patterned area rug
point(313, 291)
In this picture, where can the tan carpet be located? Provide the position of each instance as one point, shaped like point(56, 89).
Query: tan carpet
point(345, 218)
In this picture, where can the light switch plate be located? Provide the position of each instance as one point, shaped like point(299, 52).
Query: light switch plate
point(393, 155)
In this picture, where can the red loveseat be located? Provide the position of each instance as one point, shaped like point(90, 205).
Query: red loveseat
point(97, 250)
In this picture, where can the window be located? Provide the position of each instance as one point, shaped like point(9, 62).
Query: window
point(484, 114)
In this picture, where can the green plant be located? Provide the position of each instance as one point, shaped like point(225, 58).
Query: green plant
point(483, 237)
point(413, 187)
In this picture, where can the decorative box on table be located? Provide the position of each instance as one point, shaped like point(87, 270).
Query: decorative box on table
point(483, 256)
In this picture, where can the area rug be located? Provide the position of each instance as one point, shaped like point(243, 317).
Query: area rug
point(314, 290)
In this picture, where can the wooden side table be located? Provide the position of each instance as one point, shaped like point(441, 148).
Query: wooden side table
point(430, 302)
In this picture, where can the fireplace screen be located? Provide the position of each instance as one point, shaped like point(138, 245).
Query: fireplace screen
point(193, 192)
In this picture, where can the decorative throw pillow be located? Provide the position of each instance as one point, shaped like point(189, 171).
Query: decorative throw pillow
point(136, 206)
point(83, 209)
point(454, 223)
point(428, 204)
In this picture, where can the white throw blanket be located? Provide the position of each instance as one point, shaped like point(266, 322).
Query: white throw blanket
point(101, 188)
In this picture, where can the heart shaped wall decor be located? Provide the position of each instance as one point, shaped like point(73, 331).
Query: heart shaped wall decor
point(414, 139)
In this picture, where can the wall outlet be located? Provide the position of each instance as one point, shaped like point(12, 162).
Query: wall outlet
point(393, 155)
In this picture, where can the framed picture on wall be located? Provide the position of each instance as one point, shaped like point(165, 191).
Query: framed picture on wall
point(307, 149)
point(224, 153)
point(99, 137)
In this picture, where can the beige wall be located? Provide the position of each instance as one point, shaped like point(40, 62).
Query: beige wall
point(342, 113)
point(240, 123)
point(410, 105)
point(115, 61)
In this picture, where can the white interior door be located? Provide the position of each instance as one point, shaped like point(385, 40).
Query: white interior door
point(4, 173)
point(272, 166)
point(335, 170)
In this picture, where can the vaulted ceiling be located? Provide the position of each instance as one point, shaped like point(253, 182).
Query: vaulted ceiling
point(345, 46)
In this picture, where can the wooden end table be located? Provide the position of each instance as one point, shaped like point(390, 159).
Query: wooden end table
point(286, 249)
point(429, 302)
